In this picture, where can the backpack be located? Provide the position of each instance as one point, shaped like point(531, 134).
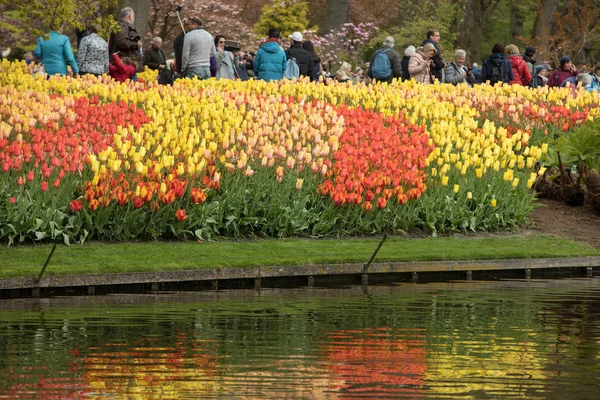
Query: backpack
point(292, 70)
point(381, 68)
point(497, 74)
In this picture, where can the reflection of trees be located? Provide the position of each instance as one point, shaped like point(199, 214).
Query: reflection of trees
point(571, 342)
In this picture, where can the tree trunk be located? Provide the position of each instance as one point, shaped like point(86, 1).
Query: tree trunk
point(337, 14)
point(476, 15)
point(517, 19)
point(543, 22)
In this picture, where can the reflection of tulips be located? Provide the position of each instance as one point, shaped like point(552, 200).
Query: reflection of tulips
point(376, 362)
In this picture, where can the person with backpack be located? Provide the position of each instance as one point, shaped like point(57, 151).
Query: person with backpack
point(496, 68)
point(385, 63)
point(420, 64)
point(300, 56)
point(521, 75)
point(270, 61)
point(529, 60)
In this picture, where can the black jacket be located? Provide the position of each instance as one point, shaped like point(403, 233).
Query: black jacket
point(405, 73)
point(303, 58)
point(496, 60)
point(438, 64)
point(154, 57)
point(126, 43)
point(178, 49)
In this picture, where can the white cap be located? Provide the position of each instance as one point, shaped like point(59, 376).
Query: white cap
point(296, 36)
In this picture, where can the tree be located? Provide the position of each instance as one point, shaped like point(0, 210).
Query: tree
point(286, 15)
point(573, 31)
point(42, 15)
point(475, 15)
point(337, 14)
point(218, 17)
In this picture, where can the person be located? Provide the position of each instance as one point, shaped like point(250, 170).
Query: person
point(408, 53)
point(29, 58)
point(92, 56)
point(496, 68)
point(250, 64)
point(344, 73)
point(438, 65)
point(126, 41)
point(541, 74)
point(270, 61)
point(476, 73)
point(198, 49)
point(310, 47)
point(595, 75)
point(456, 72)
point(528, 58)
point(583, 80)
point(394, 59)
point(521, 75)
point(225, 60)
point(178, 46)
point(419, 65)
point(565, 70)
point(155, 58)
point(55, 53)
point(303, 57)
point(122, 69)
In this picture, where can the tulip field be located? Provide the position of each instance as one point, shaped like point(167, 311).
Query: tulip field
point(90, 158)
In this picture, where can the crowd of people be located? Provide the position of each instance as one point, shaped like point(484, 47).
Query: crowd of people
point(197, 54)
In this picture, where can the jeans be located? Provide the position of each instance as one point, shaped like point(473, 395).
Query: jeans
point(198, 72)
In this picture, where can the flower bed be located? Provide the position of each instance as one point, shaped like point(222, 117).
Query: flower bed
point(92, 158)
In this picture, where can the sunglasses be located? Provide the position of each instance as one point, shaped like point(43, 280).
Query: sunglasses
point(221, 41)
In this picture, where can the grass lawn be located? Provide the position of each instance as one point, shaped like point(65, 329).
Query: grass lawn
point(94, 258)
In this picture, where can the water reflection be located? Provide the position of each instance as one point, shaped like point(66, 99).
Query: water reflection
point(510, 339)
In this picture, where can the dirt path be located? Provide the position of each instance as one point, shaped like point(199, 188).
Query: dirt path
point(580, 224)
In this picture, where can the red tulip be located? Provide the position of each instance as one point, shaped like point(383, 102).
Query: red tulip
point(76, 205)
point(181, 215)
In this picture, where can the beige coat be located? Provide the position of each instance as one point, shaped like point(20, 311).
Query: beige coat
point(418, 68)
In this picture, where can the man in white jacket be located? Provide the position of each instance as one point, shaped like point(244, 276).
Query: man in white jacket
point(198, 48)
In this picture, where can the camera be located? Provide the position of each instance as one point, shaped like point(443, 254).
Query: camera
point(178, 8)
point(232, 46)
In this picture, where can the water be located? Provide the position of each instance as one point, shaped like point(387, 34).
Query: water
point(480, 340)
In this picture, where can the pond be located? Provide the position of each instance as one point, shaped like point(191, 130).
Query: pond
point(536, 339)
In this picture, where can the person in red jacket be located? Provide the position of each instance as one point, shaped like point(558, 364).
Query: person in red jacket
point(566, 70)
point(122, 69)
point(521, 74)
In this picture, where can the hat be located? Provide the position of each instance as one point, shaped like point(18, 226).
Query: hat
point(388, 41)
point(296, 36)
point(410, 51)
point(530, 50)
point(429, 47)
point(564, 60)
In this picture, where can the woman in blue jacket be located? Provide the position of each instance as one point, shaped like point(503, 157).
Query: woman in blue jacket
point(55, 53)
